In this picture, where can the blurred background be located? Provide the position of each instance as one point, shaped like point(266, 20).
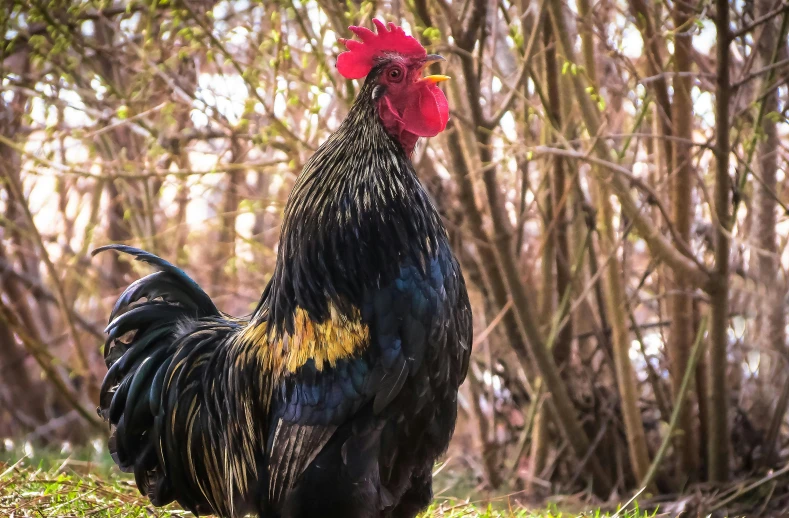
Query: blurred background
point(613, 181)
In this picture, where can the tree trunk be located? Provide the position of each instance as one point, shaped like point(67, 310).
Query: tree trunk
point(718, 428)
point(765, 260)
point(226, 249)
point(681, 334)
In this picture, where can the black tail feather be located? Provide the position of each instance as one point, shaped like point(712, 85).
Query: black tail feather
point(186, 290)
point(143, 337)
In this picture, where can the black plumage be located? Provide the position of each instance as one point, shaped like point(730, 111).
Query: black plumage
point(339, 392)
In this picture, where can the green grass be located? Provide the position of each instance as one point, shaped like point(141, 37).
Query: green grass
point(43, 486)
point(38, 492)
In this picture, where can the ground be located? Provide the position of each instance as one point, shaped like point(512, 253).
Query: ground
point(39, 487)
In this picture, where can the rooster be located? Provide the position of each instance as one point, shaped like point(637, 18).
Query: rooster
point(339, 392)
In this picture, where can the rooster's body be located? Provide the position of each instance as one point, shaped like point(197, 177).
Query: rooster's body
point(338, 394)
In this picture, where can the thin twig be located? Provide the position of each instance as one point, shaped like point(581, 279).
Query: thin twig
point(690, 372)
point(750, 487)
point(653, 197)
point(760, 20)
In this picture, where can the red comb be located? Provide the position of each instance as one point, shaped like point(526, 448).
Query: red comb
point(358, 60)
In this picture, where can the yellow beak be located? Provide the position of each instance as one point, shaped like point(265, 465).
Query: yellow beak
point(435, 78)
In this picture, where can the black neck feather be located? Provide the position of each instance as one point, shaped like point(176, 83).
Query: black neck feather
point(356, 212)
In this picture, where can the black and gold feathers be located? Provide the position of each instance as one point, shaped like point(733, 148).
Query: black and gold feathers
point(340, 391)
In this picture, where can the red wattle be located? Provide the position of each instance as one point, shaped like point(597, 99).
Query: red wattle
point(427, 115)
point(423, 113)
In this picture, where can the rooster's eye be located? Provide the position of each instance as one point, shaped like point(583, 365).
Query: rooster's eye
point(395, 74)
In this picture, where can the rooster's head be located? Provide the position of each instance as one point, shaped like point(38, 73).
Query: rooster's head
point(410, 105)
